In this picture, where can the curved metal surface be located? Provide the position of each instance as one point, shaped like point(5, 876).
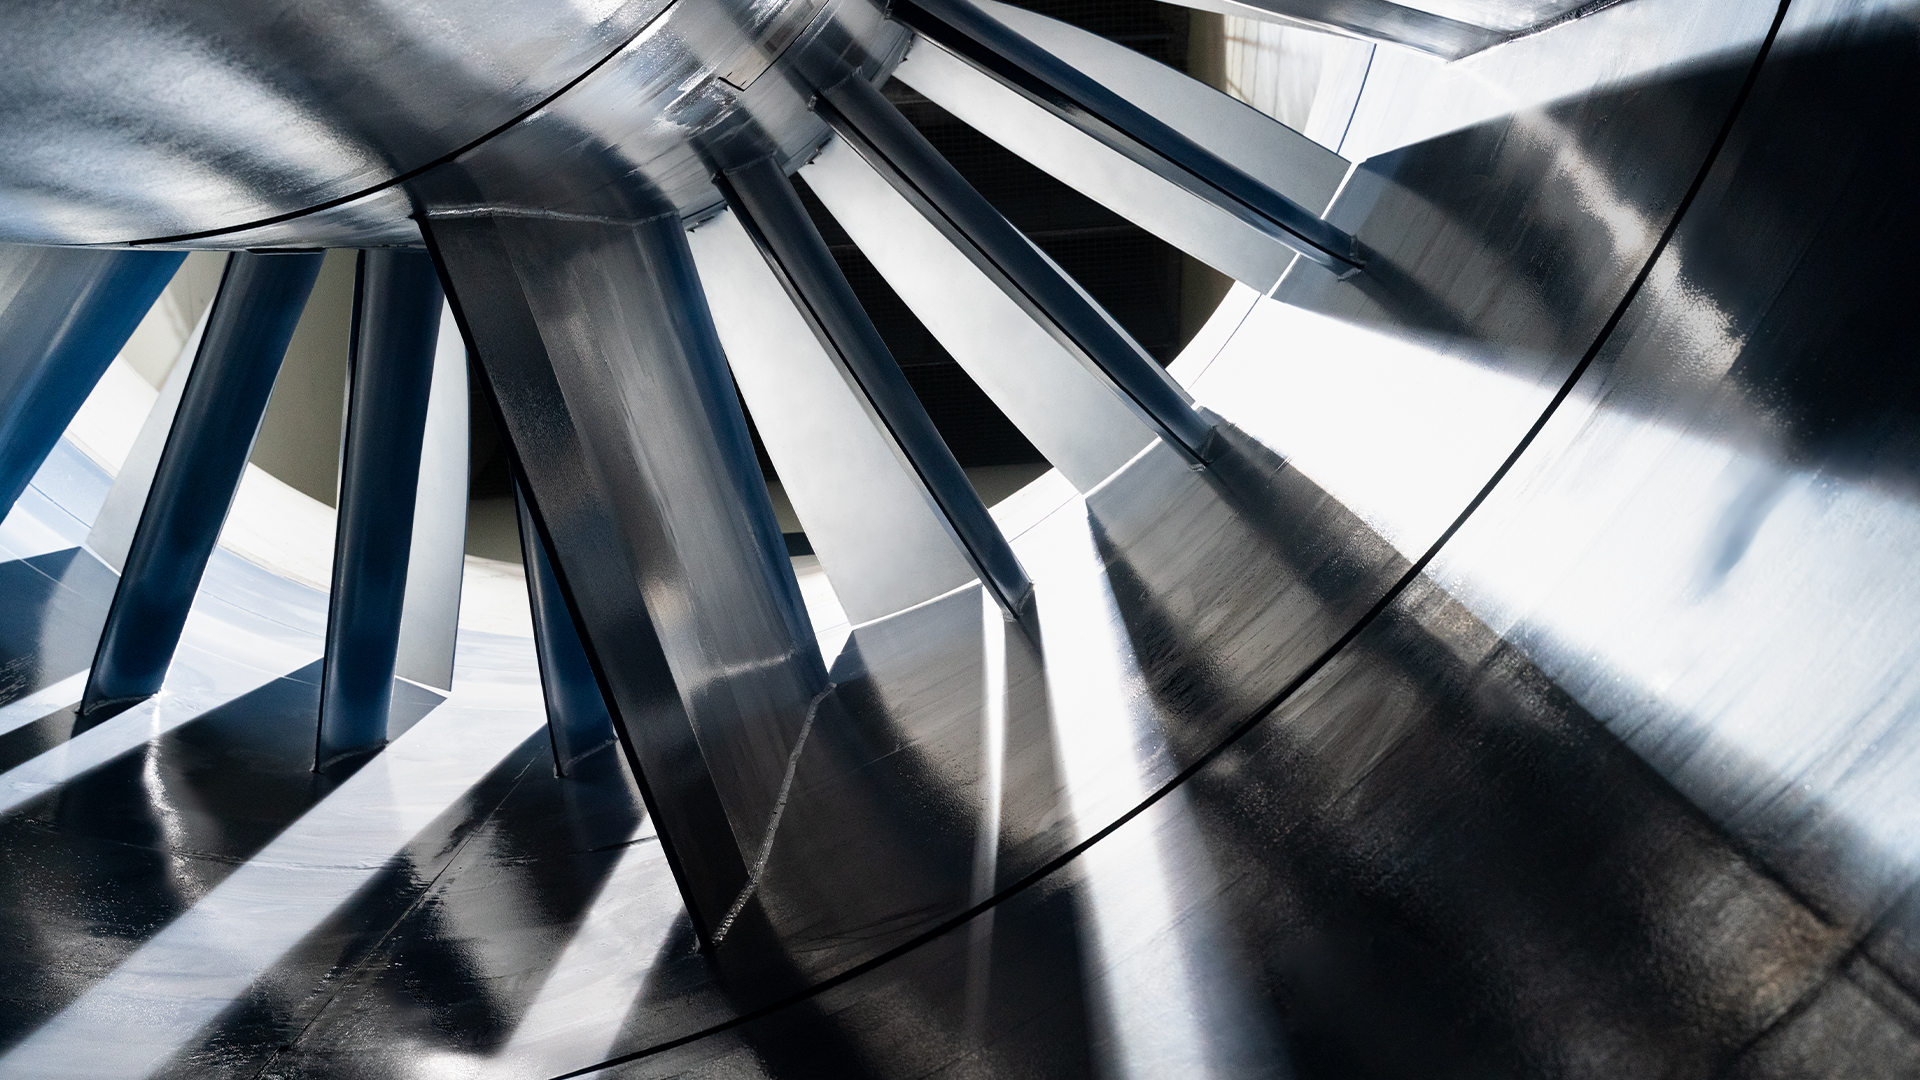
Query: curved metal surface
point(318, 104)
point(327, 111)
point(1524, 689)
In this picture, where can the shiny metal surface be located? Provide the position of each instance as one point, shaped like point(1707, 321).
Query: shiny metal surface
point(1773, 728)
point(1376, 20)
point(662, 539)
point(577, 720)
point(1439, 27)
point(436, 560)
point(1089, 166)
point(1078, 424)
point(1434, 833)
point(888, 143)
point(878, 533)
point(103, 151)
point(1523, 689)
point(1278, 156)
point(1495, 308)
point(63, 316)
point(178, 795)
point(763, 200)
point(644, 132)
point(113, 527)
point(1050, 81)
point(307, 115)
point(219, 414)
point(396, 308)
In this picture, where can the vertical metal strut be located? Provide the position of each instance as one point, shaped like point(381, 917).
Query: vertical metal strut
point(608, 376)
point(396, 320)
point(577, 718)
point(61, 323)
point(260, 300)
point(877, 131)
point(1084, 102)
point(773, 215)
point(436, 563)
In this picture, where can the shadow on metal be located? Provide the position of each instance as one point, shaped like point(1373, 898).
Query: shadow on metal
point(136, 841)
point(1606, 771)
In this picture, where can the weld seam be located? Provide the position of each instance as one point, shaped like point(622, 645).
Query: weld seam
point(773, 821)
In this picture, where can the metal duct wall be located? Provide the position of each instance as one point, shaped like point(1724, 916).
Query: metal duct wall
point(1515, 680)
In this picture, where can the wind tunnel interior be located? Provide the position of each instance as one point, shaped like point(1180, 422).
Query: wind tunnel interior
point(1512, 682)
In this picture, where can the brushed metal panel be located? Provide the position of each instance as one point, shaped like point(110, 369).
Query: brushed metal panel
point(867, 516)
point(436, 564)
point(1075, 422)
point(1083, 163)
point(606, 369)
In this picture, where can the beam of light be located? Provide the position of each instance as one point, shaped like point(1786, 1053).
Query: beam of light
point(1399, 431)
point(1169, 998)
point(205, 676)
point(986, 848)
point(135, 1020)
point(1745, 626)
point(594, 986)
point(26, 710)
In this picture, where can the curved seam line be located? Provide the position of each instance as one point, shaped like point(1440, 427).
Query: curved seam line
point(417, 170)
point(1312, 670)
point(1360, 95)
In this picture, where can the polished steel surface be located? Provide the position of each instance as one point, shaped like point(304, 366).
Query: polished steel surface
point(111, 139)
point(1273, 153)
point(1523, 688)
point(1376, 20)
point(194, 482)
point(661, 534)
point(1449, 29)
point(1484, 295)
point(1436, 832)
point(879, 536)
point(1075, 421)
point(396, 324)
point(1082, 100)
point(111, 534)
point(63, 316)
point(577, 719)
point(1175, 215)
point(436, 559)
point(326, 114)
point(888, 143)
point(770, 212)
point(1766, 680)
